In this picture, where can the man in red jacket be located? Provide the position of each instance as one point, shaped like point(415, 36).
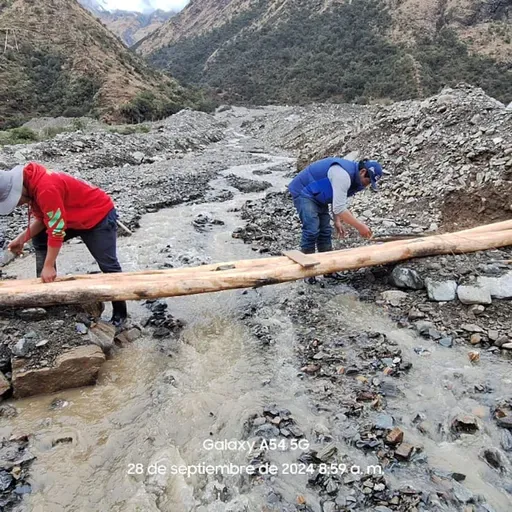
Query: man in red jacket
point(63, 207)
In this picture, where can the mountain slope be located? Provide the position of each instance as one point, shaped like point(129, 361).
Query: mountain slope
point(129, 26)
point(62, 61)
point(196, 18)
point(300, 50)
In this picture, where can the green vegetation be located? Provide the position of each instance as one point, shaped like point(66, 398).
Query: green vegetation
point(187, 59)
point(446, 60)
point(342, 55)
point(52, 90)
point(19, 135)
point(40, 83)
point(130, 129)
point(24, 135)
point(146, 106)
point(46, 87)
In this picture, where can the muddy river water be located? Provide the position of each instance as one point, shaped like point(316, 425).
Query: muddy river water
point(160, 404)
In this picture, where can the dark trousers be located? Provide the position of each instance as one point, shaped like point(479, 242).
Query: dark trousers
point(316, 225)
point(101, 240)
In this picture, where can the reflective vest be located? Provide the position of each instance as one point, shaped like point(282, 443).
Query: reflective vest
point(313, 182)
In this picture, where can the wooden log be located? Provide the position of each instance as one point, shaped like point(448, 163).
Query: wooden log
point(220, 267)
point(159, 273)
point(267, 271)
point(486, 228)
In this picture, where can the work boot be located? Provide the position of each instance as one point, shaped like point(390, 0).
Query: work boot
point(119, 314)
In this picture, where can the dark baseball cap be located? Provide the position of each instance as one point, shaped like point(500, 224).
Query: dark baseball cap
point(375, 172)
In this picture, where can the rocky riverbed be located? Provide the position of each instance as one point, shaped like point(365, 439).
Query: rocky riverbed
point(386, 389)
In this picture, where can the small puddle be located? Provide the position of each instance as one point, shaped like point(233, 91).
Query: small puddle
point(439, 387)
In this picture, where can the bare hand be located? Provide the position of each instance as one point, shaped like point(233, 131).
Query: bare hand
point(48, 275)
point(365, 231)
point(340, 230)
point(16, 246)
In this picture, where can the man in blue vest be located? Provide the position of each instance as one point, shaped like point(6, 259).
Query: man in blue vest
point(330, 181)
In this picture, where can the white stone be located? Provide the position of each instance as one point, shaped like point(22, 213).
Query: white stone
point(473, 295)
point(498, 287)
point(441, 291)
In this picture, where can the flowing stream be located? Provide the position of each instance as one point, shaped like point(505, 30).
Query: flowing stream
point(157, 403)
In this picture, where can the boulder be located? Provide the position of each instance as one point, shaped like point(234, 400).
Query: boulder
point(402, 277)
point(474, 295)
point(128, 336)
point(23, 347)
point(498, 287)
point(465, 423)
point(138, 156)
point(441, 291)
point(94, 309)
point(423, 327)
point(75, 368)
point(102, 334)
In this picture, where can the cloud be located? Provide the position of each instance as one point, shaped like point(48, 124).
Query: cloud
point(145, 5)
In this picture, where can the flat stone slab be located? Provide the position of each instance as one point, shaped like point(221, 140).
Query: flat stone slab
point(76, 368)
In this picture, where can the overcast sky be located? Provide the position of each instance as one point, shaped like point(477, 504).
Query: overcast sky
point(142, 5)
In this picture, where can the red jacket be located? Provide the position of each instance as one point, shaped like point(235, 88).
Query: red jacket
point(62, 201)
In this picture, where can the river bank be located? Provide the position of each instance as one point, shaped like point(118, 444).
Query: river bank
point(372, 395)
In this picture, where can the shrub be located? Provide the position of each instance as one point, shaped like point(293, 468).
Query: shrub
point(147, 107)
point(21, 135)
point(130, 129)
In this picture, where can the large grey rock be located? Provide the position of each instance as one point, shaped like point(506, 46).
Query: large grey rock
point(138, 156)
point(383, 421)
point(407, 278)
point(441, 291)
point(474, 295)
point(23, 347)
point(498, 287)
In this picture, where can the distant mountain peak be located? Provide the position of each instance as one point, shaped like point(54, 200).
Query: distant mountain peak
point(104, 6)
point(129, 26)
